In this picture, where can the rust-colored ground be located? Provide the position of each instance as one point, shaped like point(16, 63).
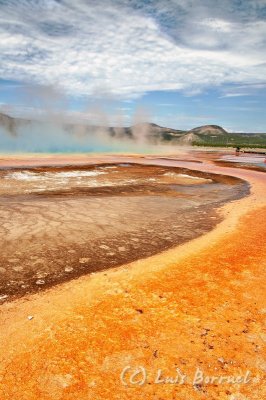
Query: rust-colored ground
point(200, 305)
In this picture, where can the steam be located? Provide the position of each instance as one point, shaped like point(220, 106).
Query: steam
point(141, 130)
point(49, 125)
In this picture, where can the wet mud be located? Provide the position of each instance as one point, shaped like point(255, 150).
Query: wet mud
point(58, 223)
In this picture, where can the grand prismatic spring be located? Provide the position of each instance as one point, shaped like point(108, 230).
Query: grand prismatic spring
point(132, 199)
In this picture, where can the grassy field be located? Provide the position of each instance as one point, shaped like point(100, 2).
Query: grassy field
point(233, 140)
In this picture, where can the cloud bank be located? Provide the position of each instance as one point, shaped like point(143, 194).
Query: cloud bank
point(126, 48)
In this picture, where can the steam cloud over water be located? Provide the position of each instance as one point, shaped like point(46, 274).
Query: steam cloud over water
point(49, 137)
point(50, 126)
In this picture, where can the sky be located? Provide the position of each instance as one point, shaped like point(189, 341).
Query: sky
point(177, 63)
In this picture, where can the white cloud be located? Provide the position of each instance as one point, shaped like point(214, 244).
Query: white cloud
point(243, 90)
point(234, 95)
point(124, 49)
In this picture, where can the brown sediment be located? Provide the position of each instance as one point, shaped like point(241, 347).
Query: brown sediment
point(62, 232)
point(240, 165)
point(200, 305)
point(215, 158)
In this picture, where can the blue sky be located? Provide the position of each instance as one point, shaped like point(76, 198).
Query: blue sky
point(178, 63)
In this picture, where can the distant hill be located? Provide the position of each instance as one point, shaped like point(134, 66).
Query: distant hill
point(207, 135)
point(209, 130)
point(11, 125)
point(154, 133)
point(8, 123)
point(189, 138)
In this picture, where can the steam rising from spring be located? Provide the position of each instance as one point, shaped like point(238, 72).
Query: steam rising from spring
point(49, 125)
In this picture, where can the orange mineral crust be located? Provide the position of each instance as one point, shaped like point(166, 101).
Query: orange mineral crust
point(192, 312)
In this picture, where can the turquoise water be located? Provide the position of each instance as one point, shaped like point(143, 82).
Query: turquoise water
point(263, 165)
